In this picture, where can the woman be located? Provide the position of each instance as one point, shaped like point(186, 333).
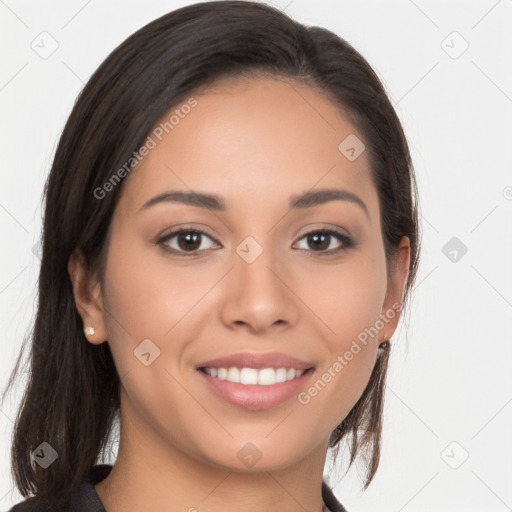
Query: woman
point(230, 235)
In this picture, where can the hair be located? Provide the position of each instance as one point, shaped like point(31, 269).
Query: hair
point(72, 395)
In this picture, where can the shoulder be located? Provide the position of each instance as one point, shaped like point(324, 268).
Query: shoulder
point(32, 505)
point(330, 500)
point(87, 499)
point(84, 500)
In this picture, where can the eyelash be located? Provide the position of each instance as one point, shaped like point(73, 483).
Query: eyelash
point(347, 242)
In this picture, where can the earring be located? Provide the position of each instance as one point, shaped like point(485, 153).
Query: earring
point(89, 331)
point(384, 344)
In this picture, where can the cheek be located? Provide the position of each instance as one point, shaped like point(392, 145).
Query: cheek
point(148, 296)
point(347, 297)
point(150, 299)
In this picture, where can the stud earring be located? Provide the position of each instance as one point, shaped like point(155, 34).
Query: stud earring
point(89, 331)
point(384, 344)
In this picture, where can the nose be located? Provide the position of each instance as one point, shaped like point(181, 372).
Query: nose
point(258, 296)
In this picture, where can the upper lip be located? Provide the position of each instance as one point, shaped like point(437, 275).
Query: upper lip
point(257, 361)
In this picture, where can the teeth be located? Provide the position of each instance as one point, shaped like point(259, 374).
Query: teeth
point(245, 375)
point(234, 375)
point(264, 377)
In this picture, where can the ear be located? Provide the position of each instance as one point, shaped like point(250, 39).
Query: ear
point(397, 279)
point(88, 300)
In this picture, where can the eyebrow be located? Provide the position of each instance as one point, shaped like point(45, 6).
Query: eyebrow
point(214, 202)
point(317, 197)
point(192, 198)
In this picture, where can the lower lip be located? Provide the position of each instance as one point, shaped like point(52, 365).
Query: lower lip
point(254, 396)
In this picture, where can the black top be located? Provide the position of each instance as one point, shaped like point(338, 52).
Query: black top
point(86, 498)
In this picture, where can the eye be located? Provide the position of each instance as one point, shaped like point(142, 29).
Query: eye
point(187, 240)
point(325, 241)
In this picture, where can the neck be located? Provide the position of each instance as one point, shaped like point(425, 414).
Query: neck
point(151, 475)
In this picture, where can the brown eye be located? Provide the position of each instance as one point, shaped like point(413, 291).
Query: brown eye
point(319, 241)
point(325, 241)
point(190, 241)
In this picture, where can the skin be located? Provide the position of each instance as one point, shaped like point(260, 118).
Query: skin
point(254, 142)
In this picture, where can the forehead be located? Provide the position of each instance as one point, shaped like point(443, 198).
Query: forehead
point(247, 139)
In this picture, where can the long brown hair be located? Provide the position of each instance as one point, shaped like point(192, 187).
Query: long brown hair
point(72, 395)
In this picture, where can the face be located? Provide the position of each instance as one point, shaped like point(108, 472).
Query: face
point(286, 257)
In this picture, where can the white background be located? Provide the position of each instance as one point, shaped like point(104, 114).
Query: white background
point(449, 394)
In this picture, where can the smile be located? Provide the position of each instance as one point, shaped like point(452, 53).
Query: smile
point(262, 377)
point(255, 389)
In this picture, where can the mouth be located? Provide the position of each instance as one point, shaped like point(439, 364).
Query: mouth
point(255, 389)
point(254, 376)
